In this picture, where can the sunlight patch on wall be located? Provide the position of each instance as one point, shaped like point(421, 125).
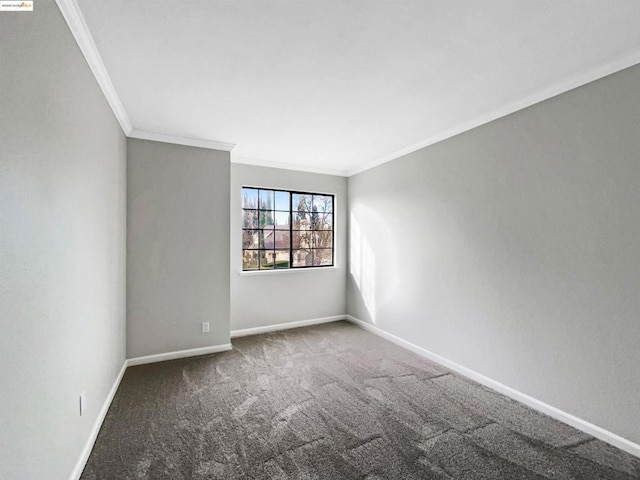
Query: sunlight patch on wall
point(355, 252)
point(362, 266)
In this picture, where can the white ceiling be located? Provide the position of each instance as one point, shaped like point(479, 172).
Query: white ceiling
point(341, 85)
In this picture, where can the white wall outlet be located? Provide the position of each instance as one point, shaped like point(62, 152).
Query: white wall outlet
point(81, 403)
point(205, 327)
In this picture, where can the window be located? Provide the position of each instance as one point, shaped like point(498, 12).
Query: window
point(283, 229)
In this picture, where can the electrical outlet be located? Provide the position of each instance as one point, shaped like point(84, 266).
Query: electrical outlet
point(205, 327)
point(81, 404)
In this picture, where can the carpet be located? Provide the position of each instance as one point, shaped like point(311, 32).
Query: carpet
point(331, 402)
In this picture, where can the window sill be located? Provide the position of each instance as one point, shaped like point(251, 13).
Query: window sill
point(251, 273)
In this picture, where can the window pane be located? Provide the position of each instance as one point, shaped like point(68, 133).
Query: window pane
point(265, 218)
point(302, 202)
point(323, 203)
point(302, 258)
point(266, 259)
point(250, 239)
point(249, 198)
point(302, 239)
point(282, 201)
point(249, 219)
point(322, 256)
point(267, 239)
point(323, 239)
point(275, 237)
point(249, 260)
point(282, 258)
point(266, 199)
point(325, 221)
point(301, 220)
point(282, 218)
point(316, 220)
point(282, 238)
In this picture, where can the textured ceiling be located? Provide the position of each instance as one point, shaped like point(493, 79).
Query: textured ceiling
point(339, 85)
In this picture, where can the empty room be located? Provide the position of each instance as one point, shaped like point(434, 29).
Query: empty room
point(335, 239)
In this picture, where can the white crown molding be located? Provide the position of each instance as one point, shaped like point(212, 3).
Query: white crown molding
point(567, 84)
point(576, 422)
point(287, 166)
point(73, 16)
point(178, 140)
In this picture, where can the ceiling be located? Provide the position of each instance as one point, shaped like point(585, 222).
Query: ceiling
point(337, 86)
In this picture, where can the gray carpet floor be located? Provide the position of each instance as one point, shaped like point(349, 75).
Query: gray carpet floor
point(331, 402)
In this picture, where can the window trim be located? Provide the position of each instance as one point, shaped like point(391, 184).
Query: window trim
point(277, 271)
point(291, 268)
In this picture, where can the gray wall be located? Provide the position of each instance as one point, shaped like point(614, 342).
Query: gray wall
point(62, 246)
point(513, 249)
point(177, 247)
point(269, 298)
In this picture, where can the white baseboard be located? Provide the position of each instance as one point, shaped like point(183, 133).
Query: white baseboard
point(580, 424)
point(583, 425)
point(193, 352)
point(93, 434)
point(285, 326)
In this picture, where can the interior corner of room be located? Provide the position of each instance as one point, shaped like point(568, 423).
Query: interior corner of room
point(507, 252)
